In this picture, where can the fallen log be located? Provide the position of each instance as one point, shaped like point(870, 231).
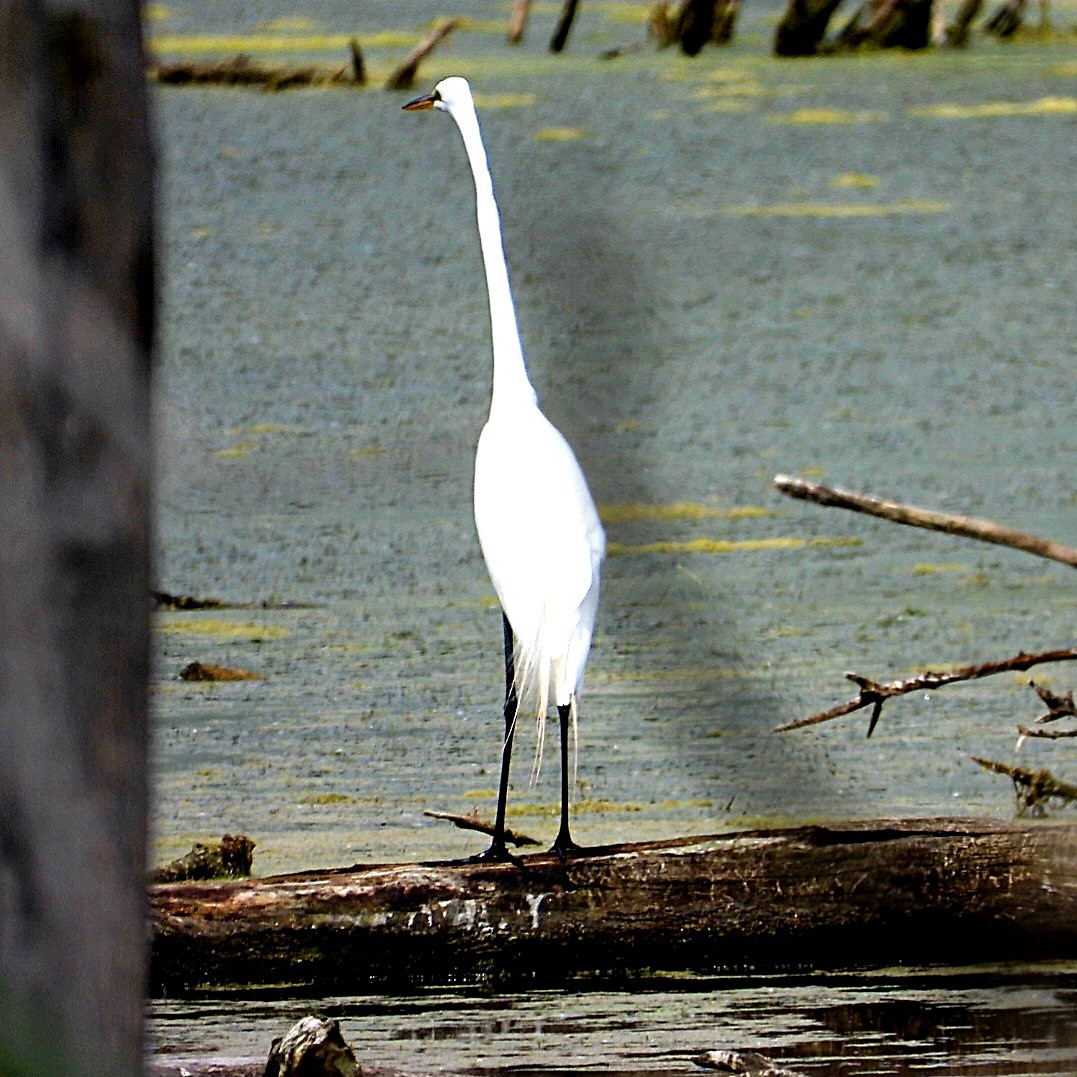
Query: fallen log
point(855, 894)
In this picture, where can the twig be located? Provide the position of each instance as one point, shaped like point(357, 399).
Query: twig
point(1033, 788)
point(473, 822)
point(873, 694)
point(403, 76)
point(1057, 706)
point(970, 527)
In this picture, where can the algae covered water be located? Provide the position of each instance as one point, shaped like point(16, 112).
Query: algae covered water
point(857, 270)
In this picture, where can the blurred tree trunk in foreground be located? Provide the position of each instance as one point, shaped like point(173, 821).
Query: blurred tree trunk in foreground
point(76, 331)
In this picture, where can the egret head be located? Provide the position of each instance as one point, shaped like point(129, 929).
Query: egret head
point(446, 95)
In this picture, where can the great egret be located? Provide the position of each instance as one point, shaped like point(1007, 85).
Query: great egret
point(538, 527)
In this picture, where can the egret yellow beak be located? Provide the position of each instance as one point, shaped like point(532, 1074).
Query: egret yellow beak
point(426, 101)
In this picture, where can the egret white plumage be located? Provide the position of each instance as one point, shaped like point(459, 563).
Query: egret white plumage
point(537, 524)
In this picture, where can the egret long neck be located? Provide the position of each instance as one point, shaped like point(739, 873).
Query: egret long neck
point(510, 374)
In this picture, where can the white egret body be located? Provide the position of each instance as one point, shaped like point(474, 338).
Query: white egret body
point(537, 524)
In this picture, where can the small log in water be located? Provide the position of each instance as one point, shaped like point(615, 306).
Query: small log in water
point(849, 895)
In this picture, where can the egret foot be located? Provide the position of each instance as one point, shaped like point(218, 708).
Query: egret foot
point(498, 853)
point(564, 846)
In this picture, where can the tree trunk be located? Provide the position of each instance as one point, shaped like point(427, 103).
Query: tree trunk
point(76, 328)
point(858, 894)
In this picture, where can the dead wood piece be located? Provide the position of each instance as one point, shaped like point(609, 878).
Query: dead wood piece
point(312, 1047)
point(725, 20)
point(902, 24)
point(521, 10)
point(747, 1063)
point(564, 25)
point(957, 32)
point(242, 71)
point(873, 694)
point(695, 23)
point(1007, 19)
point(473, 822)
point(231, 857)
point(805, 897)
point(968, 526)
point(403, 76)
point(203, 671)
point(803, 26)
point(1032, 788)
point(358, 63)
point(165, 601)
point(1059, 706)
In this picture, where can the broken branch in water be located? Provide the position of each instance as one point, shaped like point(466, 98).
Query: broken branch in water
point(970, 527)
point(473, 822)
point(403, 76)
point(873, 694)
point(1032, 788)
point(1058, 706)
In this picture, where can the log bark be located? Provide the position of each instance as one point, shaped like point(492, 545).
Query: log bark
point(76, 336)
point(848, 895)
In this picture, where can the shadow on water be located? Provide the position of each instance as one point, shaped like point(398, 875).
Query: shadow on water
point(1002, 1023)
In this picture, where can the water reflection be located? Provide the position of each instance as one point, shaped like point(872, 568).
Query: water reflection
point(1002, 1023)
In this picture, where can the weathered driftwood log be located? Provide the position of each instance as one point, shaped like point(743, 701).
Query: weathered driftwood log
point(803, 26)
point(849, 895)
point(243, 71)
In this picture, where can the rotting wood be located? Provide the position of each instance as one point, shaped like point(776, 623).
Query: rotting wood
point(403, 75)
point(895, 511)
point(873, 693)
point(848, 895)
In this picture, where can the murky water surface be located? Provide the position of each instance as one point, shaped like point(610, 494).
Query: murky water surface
point(725, 268)
point(895, 1024)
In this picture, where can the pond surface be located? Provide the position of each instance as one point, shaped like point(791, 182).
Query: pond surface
point(858, 270)
point(897, 1023)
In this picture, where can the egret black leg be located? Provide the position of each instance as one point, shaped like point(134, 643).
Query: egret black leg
point(498, 849)
point(564, 844)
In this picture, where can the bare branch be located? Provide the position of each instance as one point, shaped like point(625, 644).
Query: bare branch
point(968, 526)
point(403, 76)
point(1033, 788)
point(873, 694)
point(473, 822)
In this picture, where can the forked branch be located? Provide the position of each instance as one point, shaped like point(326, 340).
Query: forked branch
point(874, 694)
